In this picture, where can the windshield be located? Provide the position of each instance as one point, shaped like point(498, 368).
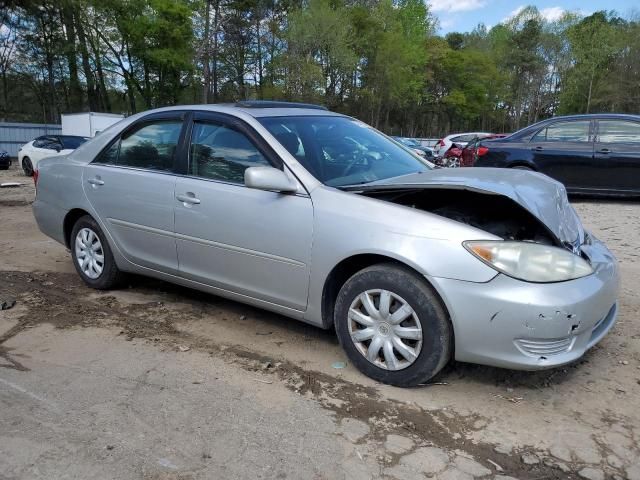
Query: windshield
point(342, 151)
point(71, 142)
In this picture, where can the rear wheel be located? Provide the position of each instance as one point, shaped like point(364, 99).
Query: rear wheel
point(392, 325)
point(27, 166)
point(92, 256)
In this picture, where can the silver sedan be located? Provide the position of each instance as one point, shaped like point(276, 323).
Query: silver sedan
point(319, 217)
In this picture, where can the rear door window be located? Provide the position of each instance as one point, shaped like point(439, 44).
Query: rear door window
point(616, 131)
point(51, 143)
point(574, 131)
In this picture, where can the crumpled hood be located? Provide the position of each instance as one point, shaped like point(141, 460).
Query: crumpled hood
point(545, 198)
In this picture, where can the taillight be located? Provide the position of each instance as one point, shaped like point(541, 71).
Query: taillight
point(35, 178)
point(482, 151)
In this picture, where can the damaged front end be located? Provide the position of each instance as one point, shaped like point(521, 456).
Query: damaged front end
point(513, 205)
point(495, 214)
point(557, 295)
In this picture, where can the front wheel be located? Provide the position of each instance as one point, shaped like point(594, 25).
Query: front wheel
point(92, 256)
point(392, 325)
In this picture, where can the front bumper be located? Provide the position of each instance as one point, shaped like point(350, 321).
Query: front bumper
point(527, 326)
point(5, 162)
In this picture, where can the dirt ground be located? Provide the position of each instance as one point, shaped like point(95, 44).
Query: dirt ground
point(155, 381)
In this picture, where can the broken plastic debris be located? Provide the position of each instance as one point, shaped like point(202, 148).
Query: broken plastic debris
point(10, 184)
point(183, 348)
point(339, 364)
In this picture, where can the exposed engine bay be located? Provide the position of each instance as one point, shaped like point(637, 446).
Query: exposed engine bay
point(495, 214)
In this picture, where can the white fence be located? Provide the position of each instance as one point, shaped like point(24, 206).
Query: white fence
point(14, 135)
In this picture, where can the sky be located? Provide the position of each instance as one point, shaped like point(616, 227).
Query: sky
point(464, 15)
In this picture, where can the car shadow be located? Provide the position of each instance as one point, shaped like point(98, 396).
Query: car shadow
point(234, 309)
point(502, 377)
point(453, 372)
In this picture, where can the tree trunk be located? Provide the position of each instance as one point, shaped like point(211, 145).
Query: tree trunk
point(590, 92)
point(51, 93)
point(206, 88)
point(5, 96)
point(103, 95)
point(216, 27)
point(92, 95)
point(76, 101)
point(259, 51)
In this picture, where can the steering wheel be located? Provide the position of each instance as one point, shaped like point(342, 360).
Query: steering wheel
point(358, 157)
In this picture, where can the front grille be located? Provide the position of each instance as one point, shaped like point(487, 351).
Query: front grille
point(544, 348)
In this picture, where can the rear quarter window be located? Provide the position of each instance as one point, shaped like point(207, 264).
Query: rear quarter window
point(616, 131)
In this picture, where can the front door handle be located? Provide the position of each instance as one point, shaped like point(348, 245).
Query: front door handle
point(96, 181)
point(604, 150)
point(537, 149)
point(188, 198)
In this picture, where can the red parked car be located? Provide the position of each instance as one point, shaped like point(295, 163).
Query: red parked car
point(472, 151)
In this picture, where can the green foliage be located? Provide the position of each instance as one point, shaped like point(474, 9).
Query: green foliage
point(379, 60)
point(596, 42)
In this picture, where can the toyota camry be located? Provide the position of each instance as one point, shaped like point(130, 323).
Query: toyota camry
point(319, 217)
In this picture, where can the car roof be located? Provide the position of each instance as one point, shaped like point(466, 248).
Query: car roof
point(273, 109)
point(588, 116)
point(583, 116)
point(466, 133)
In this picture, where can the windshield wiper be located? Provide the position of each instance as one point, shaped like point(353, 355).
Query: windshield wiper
point(353, 185)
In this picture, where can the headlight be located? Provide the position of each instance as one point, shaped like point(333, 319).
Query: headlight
point(530, 262)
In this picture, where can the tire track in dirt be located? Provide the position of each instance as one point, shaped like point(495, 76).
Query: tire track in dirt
point(63, 301)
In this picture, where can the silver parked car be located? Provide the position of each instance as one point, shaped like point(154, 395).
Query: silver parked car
point(319, 217)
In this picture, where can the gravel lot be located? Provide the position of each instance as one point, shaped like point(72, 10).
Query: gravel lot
point(160, 382)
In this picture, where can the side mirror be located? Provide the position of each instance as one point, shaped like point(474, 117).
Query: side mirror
point(269, 178)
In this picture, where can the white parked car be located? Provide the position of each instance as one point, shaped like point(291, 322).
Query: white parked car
point(461, 139)
point(46, 146)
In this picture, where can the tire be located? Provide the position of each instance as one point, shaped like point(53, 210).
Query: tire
point(87, 237)
point(430, 354)
point(27, 166)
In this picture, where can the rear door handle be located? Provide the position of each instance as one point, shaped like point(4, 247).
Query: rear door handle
point(95, 181)
point(604, 150)
point(537, 148)
point(188, 198)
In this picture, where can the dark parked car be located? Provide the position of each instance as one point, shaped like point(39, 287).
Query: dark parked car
point(592, 154)
point(5, 160)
